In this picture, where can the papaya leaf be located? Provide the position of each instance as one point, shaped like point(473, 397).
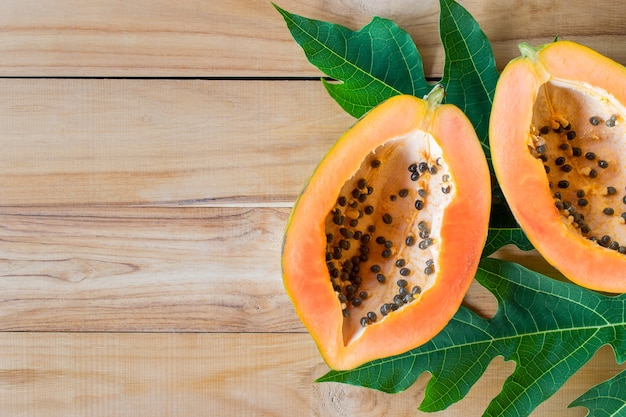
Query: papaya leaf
point(501, 236)
point(549, 328)
point(372, 64)
point(607, 399)
point(469, 74)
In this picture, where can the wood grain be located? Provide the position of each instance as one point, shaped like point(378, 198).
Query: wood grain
point(162, 142)
point(268, 375)
point(225, 38)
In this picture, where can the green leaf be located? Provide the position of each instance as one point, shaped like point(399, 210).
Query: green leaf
point(549, 328)
point(501, 236)
point(469, 74)
point(607, 399)
point(373, 64)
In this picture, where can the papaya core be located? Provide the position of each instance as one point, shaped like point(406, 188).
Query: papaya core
point(578, 133)
point(382, 235)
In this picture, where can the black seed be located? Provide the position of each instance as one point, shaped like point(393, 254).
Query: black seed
point(544, 130)
point(558, 129)
point(342, 201)
point(422, 192)
point(608, 211)
point(580, 193)
point(372, 316)
point(429, 270)
point(622, 249)
point(595, 120)
point(375, 268)
point(405, 271)
point(402, 283)
point(345, 312)
point(430, 262)
point(593, 173)
point(408, 298)
point(397, 300)
point(541, 149)
point(558, 195)
point(385, 309)
point(445, 189)
point(419, 204)
point(566, 168)
point(358, 235)
point(337, 253)
point(563, 146)
point(611, 122)
point(354, 204)
point(433, 170)
point(371, 228)
point(364, 321)
point(614, 245)
point(347, 233)
point(422, 224)
point(388, 243)
point(424, 233)
point(356, 193)
point(585, 228)
point(603, 164)
point(387, 219)
point(563, 184)
point(413, 167)
point(375, 163)
point(577, 151)
point(423, 167)
point(362, 197)
point(339, 219)
point(380, 278)
point(403, 291)
point(567, 205)
point(370, 190)
point(364, 249)
point(363, 294)
point(354, 223)
point(611, 190)
point(410, 240)
point(400, 262)
point(559, 161)
point(582, 202)
point(605, 240)
point(381, 240)
point(403, 192)
point(344, 244)
point(590, 156)
point(571, 135)
point(393, 197)
point(624, 199)
point(361, 183)
point(386, 253)
point(329, 237)
point(356, 302)
point(416, 290)
point(425, 243)
point(559, 205)
point(415, 176)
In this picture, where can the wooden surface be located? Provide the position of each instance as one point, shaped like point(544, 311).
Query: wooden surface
point(151, 151)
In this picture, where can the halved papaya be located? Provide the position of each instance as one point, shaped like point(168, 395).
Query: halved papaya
point(558, 143)
point(385, 239)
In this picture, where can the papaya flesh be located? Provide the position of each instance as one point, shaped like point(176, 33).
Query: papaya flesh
point(558, 145)
point(385, 239)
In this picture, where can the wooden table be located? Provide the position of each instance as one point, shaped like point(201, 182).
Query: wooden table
point(151, 151)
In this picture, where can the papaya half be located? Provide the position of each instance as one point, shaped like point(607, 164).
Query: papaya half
point(558, 145)
point(385, 239)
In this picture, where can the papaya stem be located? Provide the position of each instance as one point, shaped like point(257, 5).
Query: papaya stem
point(436, 95)
point(528, 51)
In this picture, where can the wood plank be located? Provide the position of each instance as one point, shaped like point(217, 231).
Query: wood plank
point(147, 38)
point(162, 142)
point(152, 375)
point(194, 269)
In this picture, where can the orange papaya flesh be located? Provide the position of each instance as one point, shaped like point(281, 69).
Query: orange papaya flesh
point(385, 239)
point(558, 145)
